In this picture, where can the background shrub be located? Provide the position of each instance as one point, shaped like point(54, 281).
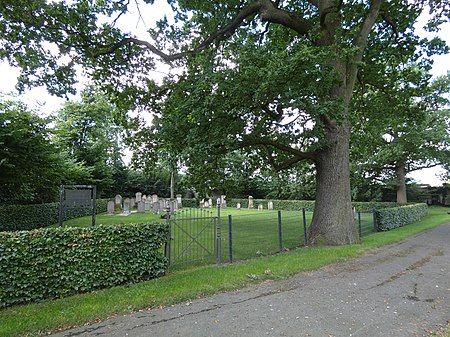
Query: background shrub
point(26, 217)
point(54, 262)
point(389, 218)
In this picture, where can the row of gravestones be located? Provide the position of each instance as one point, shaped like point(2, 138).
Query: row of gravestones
point(144, 204)
point(208, 203)
point(260, 206)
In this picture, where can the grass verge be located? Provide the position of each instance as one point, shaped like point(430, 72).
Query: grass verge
point(184, 285)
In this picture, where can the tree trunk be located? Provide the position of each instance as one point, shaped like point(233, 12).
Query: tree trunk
point(400, 173)
point(333, 219)
point(172, 185)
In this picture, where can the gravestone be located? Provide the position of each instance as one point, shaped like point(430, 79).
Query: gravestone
point(162, 205)
point(179, 201)
point(202, 203)
point(206, 204)
point(144, 197)
point(210, 204)
point(141, 207)
point(155, 198)
point(132, 203)
point(126, 206)
point(156, 208)
point(250, 202)
point(138, 197)
point(118, 202)
point(223, 201)
point(238, 206)
point(270, 205)
point(148, 205)
point(260, 207)
point(110, 207)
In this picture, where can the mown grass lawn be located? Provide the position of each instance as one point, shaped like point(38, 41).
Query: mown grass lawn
point(187, 284)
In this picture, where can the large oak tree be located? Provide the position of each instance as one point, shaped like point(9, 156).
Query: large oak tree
point(275, 77)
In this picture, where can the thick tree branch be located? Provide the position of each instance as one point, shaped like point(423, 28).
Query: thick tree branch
point(366, 27)
point(266, 9)
point(250, 141)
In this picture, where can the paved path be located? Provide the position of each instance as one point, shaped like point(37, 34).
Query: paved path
point(399, 290)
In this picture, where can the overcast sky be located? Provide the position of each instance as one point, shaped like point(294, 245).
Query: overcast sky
point(39, 98)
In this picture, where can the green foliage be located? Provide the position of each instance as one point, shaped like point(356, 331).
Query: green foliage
point(26, 217)
point(308, 205)
point(31, 166)
point(389, 218)
point(86, 132)
point(56, 262)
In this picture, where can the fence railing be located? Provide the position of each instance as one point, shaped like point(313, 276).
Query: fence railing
point(199, 235)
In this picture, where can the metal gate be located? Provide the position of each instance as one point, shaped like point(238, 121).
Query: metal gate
point(194, 236)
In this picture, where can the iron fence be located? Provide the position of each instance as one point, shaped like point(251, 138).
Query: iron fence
point(199, 235)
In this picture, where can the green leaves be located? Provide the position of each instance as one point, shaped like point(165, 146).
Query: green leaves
point(55, 262)
point(390, 218)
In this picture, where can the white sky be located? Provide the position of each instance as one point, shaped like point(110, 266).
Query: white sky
point(39, 98)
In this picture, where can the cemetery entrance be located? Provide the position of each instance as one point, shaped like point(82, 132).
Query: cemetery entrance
point(194, 237)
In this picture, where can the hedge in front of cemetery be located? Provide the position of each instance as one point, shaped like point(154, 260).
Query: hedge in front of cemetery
point(54, 262)
point(27, 217)
point(389, 218)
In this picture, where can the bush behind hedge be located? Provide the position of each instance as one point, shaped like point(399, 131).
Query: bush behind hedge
point(389, 218)
point(27, 217)
point(54, 262)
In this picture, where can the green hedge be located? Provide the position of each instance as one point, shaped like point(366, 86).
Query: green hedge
point(27, 217)
point(297, 205)
point(54, 262)
point(389, 218)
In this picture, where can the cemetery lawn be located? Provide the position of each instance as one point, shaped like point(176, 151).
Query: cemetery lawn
point(188, 284)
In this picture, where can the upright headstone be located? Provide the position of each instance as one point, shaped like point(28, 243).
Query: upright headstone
point(148, 205)
point(156, 208)
point(223, 201)
point(179, 201)
point(210, 204)
point(132, 203)
point(250, 202)
point(144, 197)
point(155, 198)
point(118, 200)
point(260, 207)
point(206, 204)
point(238, 206)
point(141, 207)
point(270, 205)
point(202, 203)
point(126, 206)
point(110, 207)
point(138, 196)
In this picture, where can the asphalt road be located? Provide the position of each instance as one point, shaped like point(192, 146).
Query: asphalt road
point(399, 290)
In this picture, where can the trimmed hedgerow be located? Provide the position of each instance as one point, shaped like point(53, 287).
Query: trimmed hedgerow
point(54, 262)
point(389, 218)
point(297, 205)
point(27, 217)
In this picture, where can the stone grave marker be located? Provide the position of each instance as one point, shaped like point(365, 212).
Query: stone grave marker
point(250, 202)
point(110, 207)
point(141, 207)
point(126, 206)
point(270, 205)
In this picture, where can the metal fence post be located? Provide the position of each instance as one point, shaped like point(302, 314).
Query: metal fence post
point(375, 225)
point(230, 237)
point(359, 224)
point(305, 232)
point(219, 246)
point(280, 237)
point(169, 235)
